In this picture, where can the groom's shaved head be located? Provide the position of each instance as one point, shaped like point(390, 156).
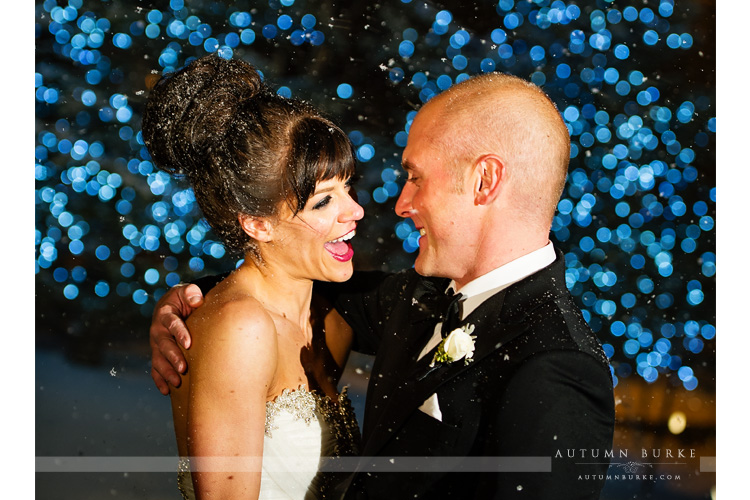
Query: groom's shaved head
point(513, 118)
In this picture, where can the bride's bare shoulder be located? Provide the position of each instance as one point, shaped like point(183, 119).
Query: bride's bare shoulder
point(233, 323)
point(234, 357)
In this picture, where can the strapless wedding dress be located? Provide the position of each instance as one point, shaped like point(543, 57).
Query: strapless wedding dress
point(301, 427)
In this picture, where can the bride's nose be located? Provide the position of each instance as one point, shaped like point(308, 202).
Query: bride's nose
point(354, 210)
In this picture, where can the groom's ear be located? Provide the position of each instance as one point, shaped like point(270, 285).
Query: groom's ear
point(258, 228)
point(490, 177)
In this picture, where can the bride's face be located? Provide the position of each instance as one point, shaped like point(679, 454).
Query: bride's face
point(316, 242)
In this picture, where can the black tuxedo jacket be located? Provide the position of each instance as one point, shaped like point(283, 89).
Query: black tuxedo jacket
point(539, 386)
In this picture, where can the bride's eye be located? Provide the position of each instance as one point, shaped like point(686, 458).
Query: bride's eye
point(322, 203)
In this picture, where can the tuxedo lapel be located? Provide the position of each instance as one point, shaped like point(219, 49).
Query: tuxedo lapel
point(412, 325)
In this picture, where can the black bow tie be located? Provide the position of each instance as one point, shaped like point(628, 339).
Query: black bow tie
point(451, 305)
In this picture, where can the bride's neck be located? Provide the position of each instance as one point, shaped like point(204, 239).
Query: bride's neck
point(279, 292)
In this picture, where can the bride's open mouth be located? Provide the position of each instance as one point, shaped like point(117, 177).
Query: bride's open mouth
point(341, 248)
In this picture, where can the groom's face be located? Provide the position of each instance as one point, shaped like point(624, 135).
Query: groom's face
point(434, 200)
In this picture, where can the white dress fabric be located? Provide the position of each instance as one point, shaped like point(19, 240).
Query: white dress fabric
point(301, 427)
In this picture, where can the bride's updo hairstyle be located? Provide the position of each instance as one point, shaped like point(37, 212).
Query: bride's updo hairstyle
point(245, 149)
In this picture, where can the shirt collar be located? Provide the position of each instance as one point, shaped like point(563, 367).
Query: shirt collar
point(487, 285)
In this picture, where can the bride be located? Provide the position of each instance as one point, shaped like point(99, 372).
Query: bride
point(259, 406)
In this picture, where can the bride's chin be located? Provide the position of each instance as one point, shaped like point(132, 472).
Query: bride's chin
point(345, 275)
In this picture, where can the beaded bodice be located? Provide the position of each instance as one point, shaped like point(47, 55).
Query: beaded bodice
point(306, 405)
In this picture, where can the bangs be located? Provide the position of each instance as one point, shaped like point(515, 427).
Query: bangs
point(336, 160)
point(319, 151)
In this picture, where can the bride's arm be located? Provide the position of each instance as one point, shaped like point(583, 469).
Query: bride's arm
point(232, 364)
point(339, 337)
point(335, 330)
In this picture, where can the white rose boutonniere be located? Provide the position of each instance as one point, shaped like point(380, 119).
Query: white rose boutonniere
point(458, 345)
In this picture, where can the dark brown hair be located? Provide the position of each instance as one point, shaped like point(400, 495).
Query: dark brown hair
point(245, 149)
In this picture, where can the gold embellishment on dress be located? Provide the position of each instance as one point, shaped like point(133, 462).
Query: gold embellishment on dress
point(340, 416)
point(184, 479)
point(304, 405)
point(300, 403)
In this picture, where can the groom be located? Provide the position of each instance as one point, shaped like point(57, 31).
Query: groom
point(520, 379)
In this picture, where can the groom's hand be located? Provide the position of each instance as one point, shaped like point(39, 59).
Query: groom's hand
point(168, 328)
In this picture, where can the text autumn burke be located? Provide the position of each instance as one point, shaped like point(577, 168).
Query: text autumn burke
point(642, 453)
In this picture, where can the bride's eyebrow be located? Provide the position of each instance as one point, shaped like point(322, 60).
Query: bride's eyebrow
point(324, 190)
